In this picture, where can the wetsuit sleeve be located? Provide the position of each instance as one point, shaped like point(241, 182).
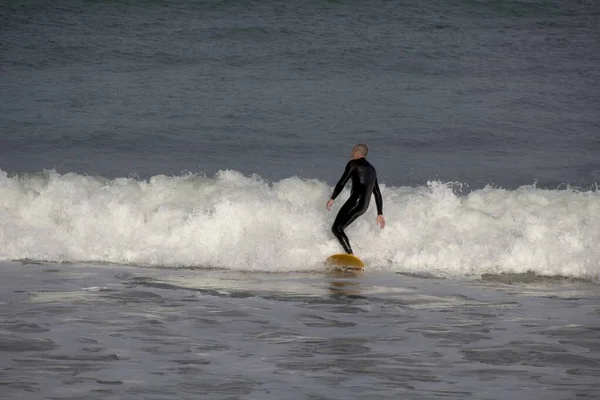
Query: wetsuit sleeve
point(343, 180)
point(378, 198)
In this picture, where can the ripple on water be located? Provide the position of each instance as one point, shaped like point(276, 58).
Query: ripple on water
point(532, 354)
point(451, 334)
point(19, 326)
point(582, 336)
point(13, 343)
point(316, 321)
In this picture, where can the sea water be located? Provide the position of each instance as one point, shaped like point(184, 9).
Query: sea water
point(164, 169)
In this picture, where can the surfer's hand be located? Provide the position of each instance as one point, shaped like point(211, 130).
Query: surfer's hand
point(329, 204)
point(380, 221)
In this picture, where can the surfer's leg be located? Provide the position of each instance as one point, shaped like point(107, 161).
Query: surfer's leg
point(348, 214)
point(338, 231)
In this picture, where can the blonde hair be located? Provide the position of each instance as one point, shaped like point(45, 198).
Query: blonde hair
point(361, 149)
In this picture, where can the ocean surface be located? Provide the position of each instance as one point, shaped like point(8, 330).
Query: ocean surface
point(164, 169)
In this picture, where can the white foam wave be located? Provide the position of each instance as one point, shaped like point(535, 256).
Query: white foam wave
point(239, 222)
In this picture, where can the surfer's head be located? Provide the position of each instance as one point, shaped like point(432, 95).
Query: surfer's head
point(359, 151)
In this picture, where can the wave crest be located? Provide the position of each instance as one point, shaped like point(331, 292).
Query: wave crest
point(245, 223)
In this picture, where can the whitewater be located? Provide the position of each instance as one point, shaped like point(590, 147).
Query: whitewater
point(245, 223)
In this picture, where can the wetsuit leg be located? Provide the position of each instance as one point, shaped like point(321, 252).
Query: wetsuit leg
point(352, 209)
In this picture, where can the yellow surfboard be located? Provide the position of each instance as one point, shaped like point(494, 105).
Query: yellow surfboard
point(345, 261)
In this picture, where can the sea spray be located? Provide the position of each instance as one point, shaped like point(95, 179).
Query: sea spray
point(245, 223)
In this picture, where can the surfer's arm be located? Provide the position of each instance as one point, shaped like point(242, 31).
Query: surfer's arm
point(379, 203)
point(378, 198)
point(343, 180)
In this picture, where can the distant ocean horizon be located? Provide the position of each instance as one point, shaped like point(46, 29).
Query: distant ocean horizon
point(472, 92)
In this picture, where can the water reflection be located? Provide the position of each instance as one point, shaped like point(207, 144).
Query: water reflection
point(345, 282)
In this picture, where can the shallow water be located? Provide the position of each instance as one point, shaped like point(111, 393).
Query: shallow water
point(117, 332)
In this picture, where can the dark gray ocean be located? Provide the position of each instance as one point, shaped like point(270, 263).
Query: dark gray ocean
point(164, 169)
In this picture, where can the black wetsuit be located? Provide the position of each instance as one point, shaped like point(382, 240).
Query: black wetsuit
point(364, 183)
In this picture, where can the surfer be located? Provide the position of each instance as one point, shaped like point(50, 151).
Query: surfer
point(364, 183)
